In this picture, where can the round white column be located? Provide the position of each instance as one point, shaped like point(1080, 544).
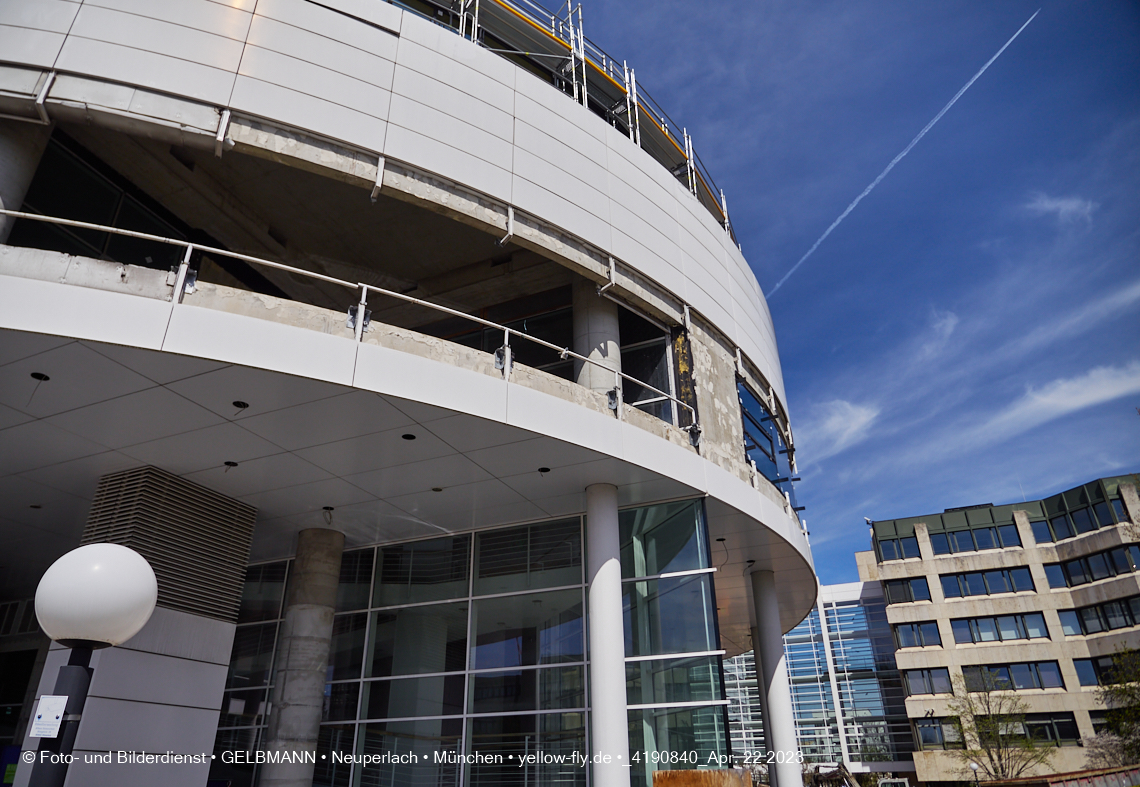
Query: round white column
point(21, 146)
point(596, 336)
point(609, 727)
point(772, 675)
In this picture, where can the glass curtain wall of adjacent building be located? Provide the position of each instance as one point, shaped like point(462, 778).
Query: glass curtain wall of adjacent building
point(476, 643)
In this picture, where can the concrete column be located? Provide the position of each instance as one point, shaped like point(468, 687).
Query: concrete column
point(303, 655)
point(1131, 502)
point(596, 336)
point(609, 727)
point(772, 675)
point(21, 146)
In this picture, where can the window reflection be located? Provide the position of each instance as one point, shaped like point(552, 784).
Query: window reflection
point(661, 539)
point(417, 640)
point(422, 571)
point(673, 615)
point(532, 628)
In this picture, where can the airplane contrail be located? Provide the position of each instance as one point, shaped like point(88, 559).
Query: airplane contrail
point(900, 156)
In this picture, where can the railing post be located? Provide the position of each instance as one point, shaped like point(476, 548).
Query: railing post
point(360, 312)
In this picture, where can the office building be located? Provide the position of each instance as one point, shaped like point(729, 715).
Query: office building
point(1030, 597)
point(412, 346)
point(848, 664)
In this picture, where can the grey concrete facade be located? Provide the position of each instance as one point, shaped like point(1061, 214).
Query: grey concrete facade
point(1059, 646)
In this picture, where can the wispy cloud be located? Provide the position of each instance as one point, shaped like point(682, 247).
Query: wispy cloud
point(1068, 210)
point(942, 325)
point(1075, 322)
point(1062, 397)
point(835, 426)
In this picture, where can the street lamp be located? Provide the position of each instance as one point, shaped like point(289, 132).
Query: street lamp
point(974, 768)
point(94, 597)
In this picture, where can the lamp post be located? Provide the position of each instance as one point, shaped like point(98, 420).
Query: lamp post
point(94, 597)
point(974, 768)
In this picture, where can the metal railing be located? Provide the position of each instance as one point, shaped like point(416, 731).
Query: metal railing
point(358, 313)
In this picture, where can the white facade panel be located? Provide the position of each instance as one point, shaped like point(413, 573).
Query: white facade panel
point(357, 64)
point(575, 219)
point(222, 19)
point(461, 76)
point(465, 137)
point(450, 162)
point(335, 28)
point(147, 69)
point(49, 16)
point(383, 15)
point(556, 180)
point(332, 120)
point(495, 120)
point(317, 81)
point(459, 52)
point(582, 162)
point(157, 36)
point(30, 47)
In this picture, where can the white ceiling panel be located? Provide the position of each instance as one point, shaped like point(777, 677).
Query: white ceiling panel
point(259, 475)
point(564, 505)
point(138, 418)
point(80, 477)
point(418, 411)
point(55, 512)
point(446, 471)
point(212, 446)
point(470, 433)
point(376, 451)
point(516, 458)
point(38, 444)
point(263, 391)
point(327, 420)
point(303, 498)
point(10, 417)
point(158, 366)
point(15, 345)
point(79, 377)
point(454, 508)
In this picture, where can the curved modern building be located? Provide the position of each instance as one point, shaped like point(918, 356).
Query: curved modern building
point(412, 346)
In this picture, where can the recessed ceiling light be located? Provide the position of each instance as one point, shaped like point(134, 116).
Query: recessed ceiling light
point(720, 539)
point(37, 507)
point(230, 464)
point(544, 470)
point(43, 378)
point(408, 436)
point(239, 404)
point(328, 508)
point(437, 489)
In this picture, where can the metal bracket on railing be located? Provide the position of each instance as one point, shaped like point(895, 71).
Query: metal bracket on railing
point(613, 278)
point(379, 178)
point(694, 430)
point(614, 396)
point(724, 210)
point(41, 97)
point(359, 326)
point(220, 137)
point(510, 227)
point(180, 279)
point(503, 356)
point(690, 168)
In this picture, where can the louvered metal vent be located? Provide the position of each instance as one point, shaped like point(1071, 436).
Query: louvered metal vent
point(197, 540)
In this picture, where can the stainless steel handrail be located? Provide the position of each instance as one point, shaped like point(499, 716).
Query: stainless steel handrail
point(190, 247)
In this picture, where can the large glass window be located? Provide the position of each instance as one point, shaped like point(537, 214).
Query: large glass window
point(417, 640)
point(662, 539)
point(527, 629)
point(525, 558)
point(422, 571)
point(685, 738)
point(673, 615)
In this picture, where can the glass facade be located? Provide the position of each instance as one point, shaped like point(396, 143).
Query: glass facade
point(849, 658)
point(476, 643)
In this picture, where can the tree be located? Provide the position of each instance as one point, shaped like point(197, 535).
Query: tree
point(1121, 695)
point(991, 723)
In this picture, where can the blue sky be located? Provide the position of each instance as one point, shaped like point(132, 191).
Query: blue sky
point(971, 332)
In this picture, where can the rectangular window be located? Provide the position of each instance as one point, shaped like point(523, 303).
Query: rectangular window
point(997, 582)
point(1041, 532)
point(950, 586)
point(1120, 562)
point(662, 539)
point(527, 558)
point(1052, 729)
point(909, 547)
point(936, 733)
point(431, 570)
point(975, 584)
point(1116, 615)
point(670, 615)
point(961, 541)
point(540, 628)
point(1118, 509)
point(1082, 520)
point(1086, 674)
point(1090, 620)
point(1050, 675)
point(928, 681)
point(1098, 566)
point(986, 630)
point(940, 543)
point(1070, 622)
point(1103, 514)
point(1061, 528)
point(962, 633)
point(1008, 535)
point(986, 538)
point(1056, 575)
point(1035, 626)
point(1023, 676)
point(1021, 580)
point(1009, 627)
point(1076, 571)
point(888, 549)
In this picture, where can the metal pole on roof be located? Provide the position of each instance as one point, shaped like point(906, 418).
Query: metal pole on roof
point(636, 110)
point(582, 55)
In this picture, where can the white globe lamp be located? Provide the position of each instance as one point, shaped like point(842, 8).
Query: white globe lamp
point(96, 596)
